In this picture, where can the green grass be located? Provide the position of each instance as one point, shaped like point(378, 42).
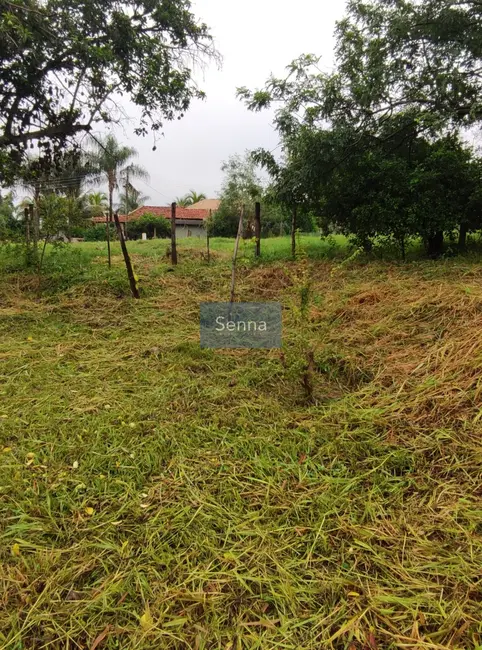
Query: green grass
point(155, 495)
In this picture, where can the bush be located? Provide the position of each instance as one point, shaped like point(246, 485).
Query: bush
point(149, 224)
point(97, 232)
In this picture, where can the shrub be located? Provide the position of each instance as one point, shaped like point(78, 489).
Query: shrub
point(149, 224)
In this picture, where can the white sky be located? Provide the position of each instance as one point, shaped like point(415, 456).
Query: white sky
point(255, 38)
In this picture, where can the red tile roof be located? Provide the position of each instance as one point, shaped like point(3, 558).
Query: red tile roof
point(160, 211)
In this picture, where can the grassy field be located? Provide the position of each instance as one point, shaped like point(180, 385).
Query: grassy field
point(154, 495)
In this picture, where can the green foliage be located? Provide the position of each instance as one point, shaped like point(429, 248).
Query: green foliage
point(372, 147)
point(61, 63)
point(149, 224)
point(58, 214)
point(8, 222)
point(190, 198)
point(241, 187)
point(97, 232)
point(97, 203)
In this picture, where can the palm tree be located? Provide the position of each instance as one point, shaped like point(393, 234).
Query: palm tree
point(131, 199)
point(97, 202)
point(189, 199)
point(194, 197)
point(108, 160)
point(183, 201)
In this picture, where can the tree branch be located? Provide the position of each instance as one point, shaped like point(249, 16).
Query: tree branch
point(48, 132)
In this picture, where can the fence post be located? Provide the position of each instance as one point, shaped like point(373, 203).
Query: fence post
point(207, 236)
point(127, 259)
point(173, 234)
point(235, 254)
point(257, 228)
point(293, 230)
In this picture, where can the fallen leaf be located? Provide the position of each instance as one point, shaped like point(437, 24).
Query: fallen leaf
point(16, 550)
point(353, 594)
point(75, 464)
point(98, 639)
point(6, 450)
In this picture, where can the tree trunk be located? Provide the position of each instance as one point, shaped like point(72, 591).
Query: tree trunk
point(294, 220)
point(435, 245)
point(109, 221)
point(36, 223)
point(463, 237)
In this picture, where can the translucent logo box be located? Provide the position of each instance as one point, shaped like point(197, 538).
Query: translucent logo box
point(240, 325)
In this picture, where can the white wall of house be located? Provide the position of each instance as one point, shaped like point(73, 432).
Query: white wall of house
point(191, 230)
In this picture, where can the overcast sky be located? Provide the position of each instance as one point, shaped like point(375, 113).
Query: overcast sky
point(255, 38)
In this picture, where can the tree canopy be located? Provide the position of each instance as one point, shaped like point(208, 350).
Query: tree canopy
point(374, 146)
point(63, 64)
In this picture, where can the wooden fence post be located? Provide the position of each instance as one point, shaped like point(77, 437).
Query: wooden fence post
point(257, 228)
point(293, 230)
point(127, 259)
point(235, 255)
point(173, 234)
point(207, 236)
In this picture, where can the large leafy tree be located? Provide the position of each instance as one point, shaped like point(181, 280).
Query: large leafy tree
point(62, 64)
point(408, 75)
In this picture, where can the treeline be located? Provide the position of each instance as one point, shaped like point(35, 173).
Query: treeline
point(377, 148)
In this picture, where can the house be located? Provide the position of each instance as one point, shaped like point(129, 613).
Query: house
point(189, 222)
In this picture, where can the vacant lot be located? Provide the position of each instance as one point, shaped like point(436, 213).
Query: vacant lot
point(155, 495)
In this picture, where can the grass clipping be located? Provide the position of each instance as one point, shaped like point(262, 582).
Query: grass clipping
point(155, 495)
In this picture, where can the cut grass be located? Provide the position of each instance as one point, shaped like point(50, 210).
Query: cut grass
point(156, 495)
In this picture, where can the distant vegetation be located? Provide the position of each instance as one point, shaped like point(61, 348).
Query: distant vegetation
point(375, 148)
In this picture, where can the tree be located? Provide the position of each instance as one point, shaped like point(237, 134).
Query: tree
point(131, 199)
point(395, 55)
point(194, 197)
point(58, 215)
point(150, 224)
point(108, 161)
point(65, 177)
point(62, 62)
point(183, 201)
point(7, 215)
point(241, 186)
point(189, 199)
point(356, 142)
point(98, 203)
